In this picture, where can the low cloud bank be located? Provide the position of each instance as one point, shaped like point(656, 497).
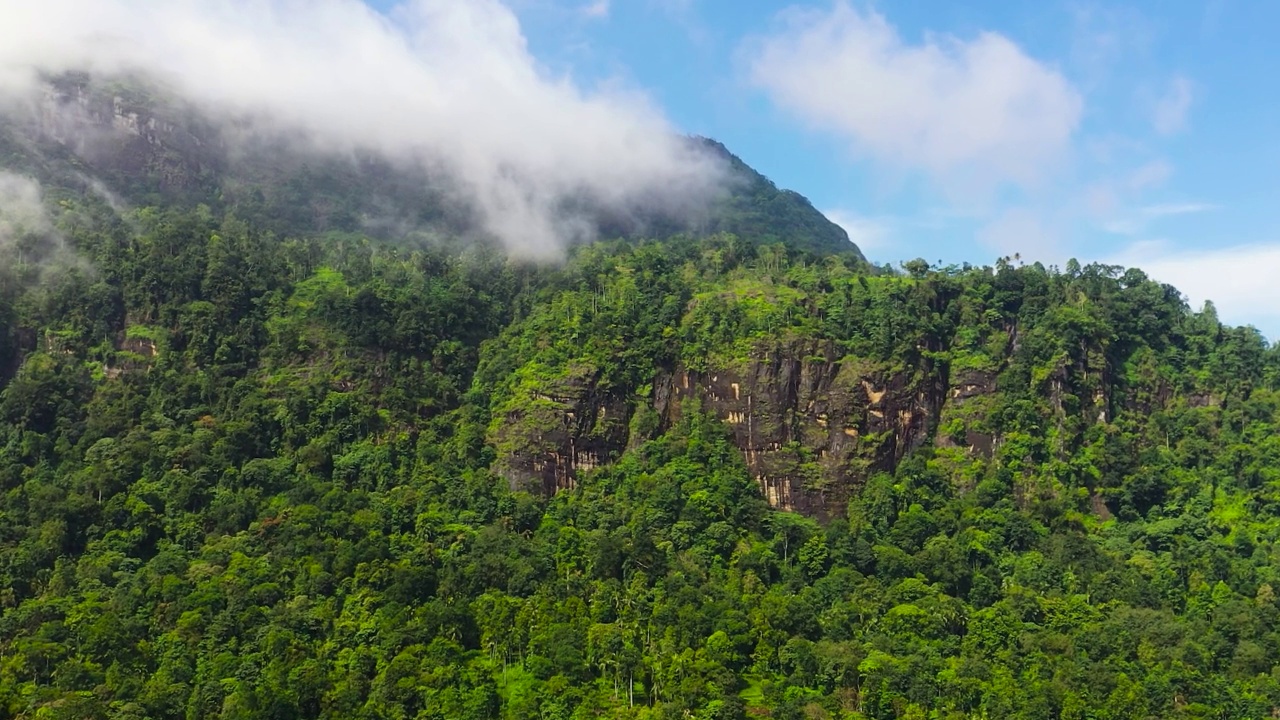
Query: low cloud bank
point(448, 83)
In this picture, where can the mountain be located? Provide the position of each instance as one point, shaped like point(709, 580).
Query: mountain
point(149, 147)
point(757, 211)
point(261, 456)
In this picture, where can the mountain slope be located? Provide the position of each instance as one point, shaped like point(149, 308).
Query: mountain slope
point(251, 470)
point(149, 147)
point(757, 211)
point(260, 478)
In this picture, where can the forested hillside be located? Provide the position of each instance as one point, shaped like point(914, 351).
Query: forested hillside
point(256, 464)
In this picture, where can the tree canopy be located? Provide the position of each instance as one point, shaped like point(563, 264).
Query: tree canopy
point(249, 474)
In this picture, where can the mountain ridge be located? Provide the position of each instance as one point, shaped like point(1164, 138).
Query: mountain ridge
point(256, 466)
point(149, 147)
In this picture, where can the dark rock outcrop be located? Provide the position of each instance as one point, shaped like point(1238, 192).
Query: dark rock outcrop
point(812, 426)
point(570, 428)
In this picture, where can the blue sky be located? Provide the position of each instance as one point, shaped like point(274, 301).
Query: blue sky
point(1144, 134)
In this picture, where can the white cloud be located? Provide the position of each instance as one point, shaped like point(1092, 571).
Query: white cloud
point(1169, 116)
point(21, 207)
point(29, 243)
point(965, 112)
point(1139, 220)
point(1240, 280)
point(597, 9)
point(440, 80)
point(1148, 175)
point(1167, 209)
point(868, 233)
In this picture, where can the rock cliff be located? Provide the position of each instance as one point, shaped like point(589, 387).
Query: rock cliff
point(812, 425)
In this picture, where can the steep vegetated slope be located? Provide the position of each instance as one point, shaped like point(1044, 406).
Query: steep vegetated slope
point(826, 375)
point(250, 468)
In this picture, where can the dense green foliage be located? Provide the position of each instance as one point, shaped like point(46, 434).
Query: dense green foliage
point(250, 476)
point(759, 213)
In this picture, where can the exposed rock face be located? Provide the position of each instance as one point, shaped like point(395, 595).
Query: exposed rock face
point(135, 354)
point(812, 426)
point(124, 140)
point(570, 429)
point(964, 402)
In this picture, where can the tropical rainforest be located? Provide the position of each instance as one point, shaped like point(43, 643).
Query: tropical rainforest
point(256, 462)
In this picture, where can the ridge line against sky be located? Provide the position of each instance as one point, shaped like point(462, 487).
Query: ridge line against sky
point(444, 85)
point(957, 132)
point(1129, 134)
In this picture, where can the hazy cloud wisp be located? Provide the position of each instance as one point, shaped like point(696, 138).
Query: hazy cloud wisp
point(965, 112)
point(868, 233)
point(443, 81)
point(1170, 113)
point(29, 243)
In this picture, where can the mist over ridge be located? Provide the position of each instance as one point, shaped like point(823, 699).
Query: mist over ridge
point(436, 89)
